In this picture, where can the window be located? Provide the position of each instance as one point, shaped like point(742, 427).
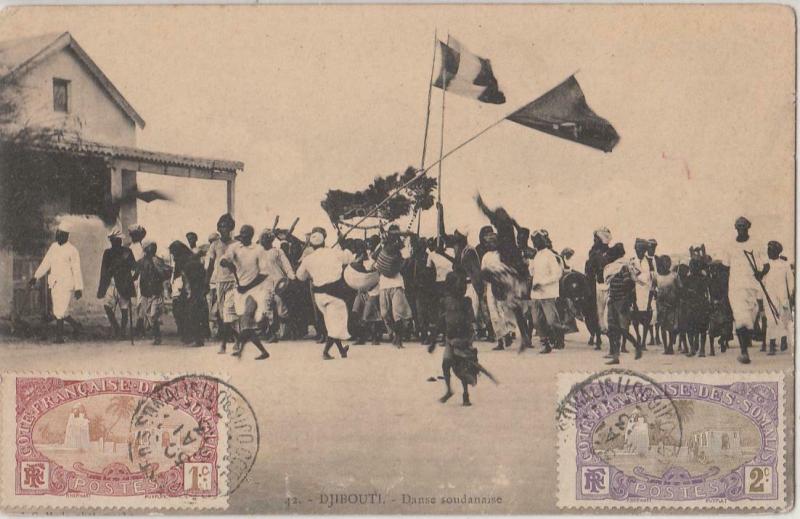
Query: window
point(60, 95)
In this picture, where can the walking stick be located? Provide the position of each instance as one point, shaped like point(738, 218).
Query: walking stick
point(752, 262)
point(130, 321)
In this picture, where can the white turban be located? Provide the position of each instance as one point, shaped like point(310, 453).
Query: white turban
point(603, 234)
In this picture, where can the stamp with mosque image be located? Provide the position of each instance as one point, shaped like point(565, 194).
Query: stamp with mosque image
point(671, 440)
point(113, 441)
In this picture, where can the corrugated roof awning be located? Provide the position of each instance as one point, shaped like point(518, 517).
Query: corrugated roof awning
point(140, 155)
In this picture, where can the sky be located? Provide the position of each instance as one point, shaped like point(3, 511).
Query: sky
point(313, 98)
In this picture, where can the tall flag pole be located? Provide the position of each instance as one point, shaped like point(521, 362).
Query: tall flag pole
point(441, 138)
point(427, 120)
point(428, 109)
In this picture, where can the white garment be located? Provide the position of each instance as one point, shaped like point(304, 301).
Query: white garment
point(545, 270)
point(63, 264)
point(442, 265)
point(334, 312)
point(324, 265)
point(743, 288)
point(395, 281)
point(779, 282)
point(644, 282)
point(741, 273)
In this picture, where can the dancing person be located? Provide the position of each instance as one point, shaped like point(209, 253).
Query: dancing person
point(151, 272)
point(459, 356)
point(137, 233)
point(192, 295)
point(546, 274)
point(323, 266)
point(279, 273)
point(116, 282)
point(596, 262)
point(62, 266)
point(247, 262)
point(395, 309)
point(222, 281)
point(619, 278)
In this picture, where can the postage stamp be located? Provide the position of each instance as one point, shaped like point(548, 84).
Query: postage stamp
point(671, 440)
point(114, 440)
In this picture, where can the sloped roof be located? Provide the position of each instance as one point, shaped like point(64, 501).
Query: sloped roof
point(20, 55)
point(145, 156)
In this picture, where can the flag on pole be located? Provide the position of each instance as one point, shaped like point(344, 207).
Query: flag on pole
point(563, 112)
point(466, 74)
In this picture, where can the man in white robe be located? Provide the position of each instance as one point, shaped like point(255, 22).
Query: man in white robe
point(746, 269)
point(62, 265)
point(324, 266)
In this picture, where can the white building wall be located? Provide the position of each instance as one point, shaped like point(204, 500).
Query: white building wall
point(92, 112)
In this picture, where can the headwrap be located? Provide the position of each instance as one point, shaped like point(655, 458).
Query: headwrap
point(485, 230)
point(147, 243)
point(63, 226)
point(115, 233)
point(540, 232)
point(651, 242)
point(603, 234)
point(743, 222)
point(567, 252)
point(135, 228)
point(214, 236)
point(640, 242)
point(316, 239)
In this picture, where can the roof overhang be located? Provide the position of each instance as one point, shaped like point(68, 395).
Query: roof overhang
point(146, 161)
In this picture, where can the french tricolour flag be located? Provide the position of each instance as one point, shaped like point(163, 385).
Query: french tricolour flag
point(466, 74)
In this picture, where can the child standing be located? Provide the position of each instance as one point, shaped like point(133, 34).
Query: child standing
point(666, 302)
point(460, 355)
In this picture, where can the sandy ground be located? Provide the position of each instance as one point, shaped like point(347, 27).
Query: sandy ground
point(372, 422)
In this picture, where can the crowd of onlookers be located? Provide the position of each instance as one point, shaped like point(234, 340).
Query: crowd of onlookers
point(393, 285)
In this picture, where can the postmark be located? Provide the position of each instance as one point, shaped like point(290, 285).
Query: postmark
point(91, 441)
point(225, 412)
point(671, 440)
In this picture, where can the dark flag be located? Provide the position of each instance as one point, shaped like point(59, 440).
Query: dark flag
point(466, 74)
point(563, 112)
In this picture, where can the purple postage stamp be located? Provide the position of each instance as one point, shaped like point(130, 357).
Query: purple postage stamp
point(671, 440)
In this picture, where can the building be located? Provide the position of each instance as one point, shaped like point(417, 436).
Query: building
point(69, 147)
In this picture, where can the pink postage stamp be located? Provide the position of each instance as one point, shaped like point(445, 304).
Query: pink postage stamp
point(113, 441)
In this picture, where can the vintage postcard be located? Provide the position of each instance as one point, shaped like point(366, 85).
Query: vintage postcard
point(397, 259)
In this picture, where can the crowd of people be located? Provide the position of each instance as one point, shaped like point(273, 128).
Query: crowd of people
point(398, 286)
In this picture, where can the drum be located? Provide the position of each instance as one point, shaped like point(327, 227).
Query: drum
point(281, 286)
point(573, 285)
point(360, 280)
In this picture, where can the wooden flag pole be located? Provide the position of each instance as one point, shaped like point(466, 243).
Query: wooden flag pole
point(441, 143)
point(428, 109)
